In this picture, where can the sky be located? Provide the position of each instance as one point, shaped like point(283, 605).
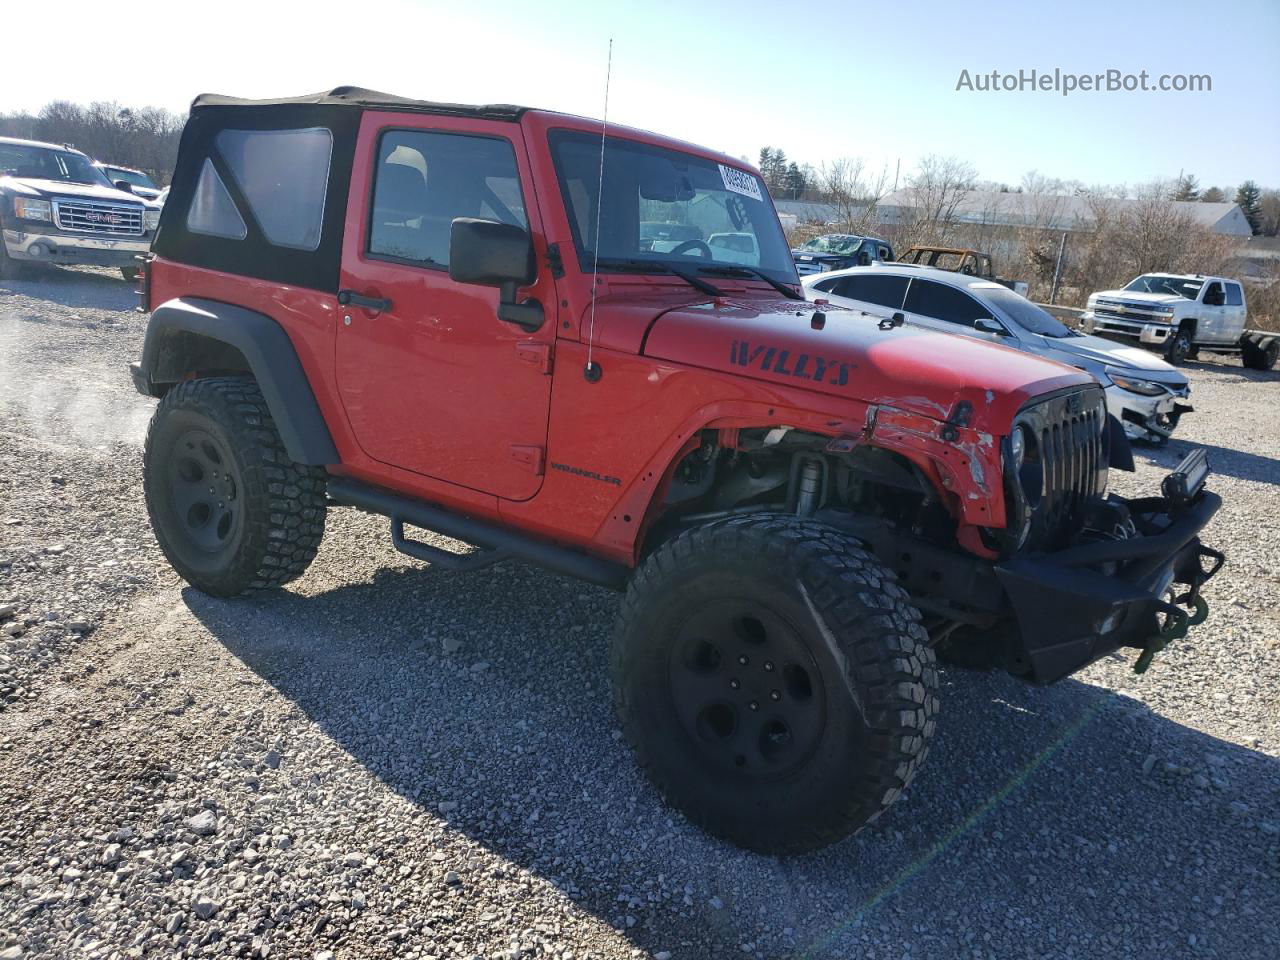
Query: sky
point(821, 81)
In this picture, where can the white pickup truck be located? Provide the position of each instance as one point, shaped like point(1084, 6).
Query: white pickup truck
point(1181, 315)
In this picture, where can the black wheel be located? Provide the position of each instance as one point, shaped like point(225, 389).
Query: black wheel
point(130, 273)
point(1179, 346)
point(774, 680)
point(1260, 358)
point(230, 510)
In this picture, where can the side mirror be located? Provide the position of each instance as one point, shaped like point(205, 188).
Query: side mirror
point(990, 326)
point(124, 185)
point(494, 254)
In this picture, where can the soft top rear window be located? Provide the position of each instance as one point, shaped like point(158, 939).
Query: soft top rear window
point(283, 174)
point(262, 192)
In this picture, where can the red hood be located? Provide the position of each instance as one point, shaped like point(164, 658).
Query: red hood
point(908, 367)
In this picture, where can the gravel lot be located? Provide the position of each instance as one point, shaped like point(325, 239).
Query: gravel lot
point(391, 761)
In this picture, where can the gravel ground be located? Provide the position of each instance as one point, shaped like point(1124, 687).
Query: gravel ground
point(390, 761)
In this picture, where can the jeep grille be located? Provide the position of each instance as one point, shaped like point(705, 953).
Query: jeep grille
point(1069, 433)
point(98, 217)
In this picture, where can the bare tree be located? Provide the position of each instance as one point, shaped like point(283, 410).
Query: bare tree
point(855, 194)
point(1269, 206)
point(146, 137)
point(935, 191)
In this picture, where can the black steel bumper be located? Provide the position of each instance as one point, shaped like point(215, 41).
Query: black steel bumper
point(1081, 603)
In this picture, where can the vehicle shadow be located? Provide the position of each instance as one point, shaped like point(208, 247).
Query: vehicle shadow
point(96, 289)
point(1224, 461)
point(1069, 817)
point(1230, 370)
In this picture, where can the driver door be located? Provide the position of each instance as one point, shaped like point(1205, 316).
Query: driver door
point(1212, 313)
point(430, 379)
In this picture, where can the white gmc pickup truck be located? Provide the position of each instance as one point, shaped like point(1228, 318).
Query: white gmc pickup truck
point(1180, 315)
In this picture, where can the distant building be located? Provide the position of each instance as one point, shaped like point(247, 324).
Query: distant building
point(1051, 211)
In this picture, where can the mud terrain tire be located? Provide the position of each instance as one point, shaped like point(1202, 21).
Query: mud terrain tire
point(231, 511)
point(774, 681)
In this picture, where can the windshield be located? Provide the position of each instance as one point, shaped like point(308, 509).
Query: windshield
point(832, 243)
point(663, 206)
point(1154, 283)
point(1023, 312)
point(134, 177)
point(45, 163)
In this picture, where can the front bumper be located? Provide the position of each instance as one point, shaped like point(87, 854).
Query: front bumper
point(1150, 333)
point(1148, 418)
point(54, 246)
point(1138, 587)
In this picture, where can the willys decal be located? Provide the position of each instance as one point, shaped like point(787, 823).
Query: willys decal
point(803, 366)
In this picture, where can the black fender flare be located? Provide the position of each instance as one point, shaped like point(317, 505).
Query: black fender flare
point(191, 333)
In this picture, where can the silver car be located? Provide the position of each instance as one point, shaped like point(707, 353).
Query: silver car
point(1144, 393)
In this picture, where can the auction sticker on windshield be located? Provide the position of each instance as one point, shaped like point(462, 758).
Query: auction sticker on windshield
point(741, 182)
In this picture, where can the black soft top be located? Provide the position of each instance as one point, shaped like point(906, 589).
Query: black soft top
point(361, 98)
point(338, 111)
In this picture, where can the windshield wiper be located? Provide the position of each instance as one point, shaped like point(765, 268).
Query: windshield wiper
point(655, 266)
point(737, 269)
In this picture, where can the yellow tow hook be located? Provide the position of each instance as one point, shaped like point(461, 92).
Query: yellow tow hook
point(1175, 628)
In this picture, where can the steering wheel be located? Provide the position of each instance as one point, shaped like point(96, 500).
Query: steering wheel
point(701, 245)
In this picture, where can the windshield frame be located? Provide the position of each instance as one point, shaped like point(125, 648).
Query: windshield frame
point(1170, 281)
point(137, 178)
point(67, 159)
point(850, 247)
point(997, 296)
point(784, 271)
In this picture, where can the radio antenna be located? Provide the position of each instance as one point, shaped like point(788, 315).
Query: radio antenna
point(592, 370)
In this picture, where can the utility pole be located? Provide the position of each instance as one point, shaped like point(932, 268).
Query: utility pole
point(1057, 269)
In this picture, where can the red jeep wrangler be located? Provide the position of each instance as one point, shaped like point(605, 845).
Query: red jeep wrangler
point(466, 319)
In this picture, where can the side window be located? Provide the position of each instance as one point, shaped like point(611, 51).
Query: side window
point(423, 181)
point(1212, 294)
point(941, 302)
point(825, 286)
point(870, 288)
point(212, 211)
point(1235, 297)
point(284, 175)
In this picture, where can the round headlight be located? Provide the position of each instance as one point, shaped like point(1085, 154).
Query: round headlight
point(1018, 445)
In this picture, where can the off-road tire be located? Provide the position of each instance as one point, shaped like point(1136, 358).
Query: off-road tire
point(220, 430)
point(833, 612)
point(1179, 347)
point(130, 273)
point(1260, 358)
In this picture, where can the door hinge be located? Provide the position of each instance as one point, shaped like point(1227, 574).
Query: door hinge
point(536, 353)
point(555, 261)
point(532, 457)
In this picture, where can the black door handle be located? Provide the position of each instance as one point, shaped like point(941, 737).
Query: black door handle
point(346, 297)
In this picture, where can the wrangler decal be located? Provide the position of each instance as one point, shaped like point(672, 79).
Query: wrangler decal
point(589, 474)
point(803, 366)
